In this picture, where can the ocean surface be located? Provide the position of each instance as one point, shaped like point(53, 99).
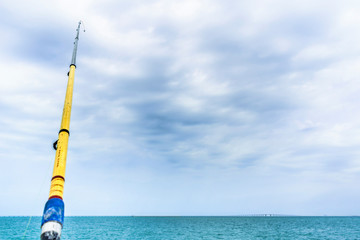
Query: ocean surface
point(189, 228)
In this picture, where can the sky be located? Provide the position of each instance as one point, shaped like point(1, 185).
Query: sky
point(205, 107)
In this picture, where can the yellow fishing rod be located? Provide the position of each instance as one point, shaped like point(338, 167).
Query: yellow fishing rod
point(53, 217)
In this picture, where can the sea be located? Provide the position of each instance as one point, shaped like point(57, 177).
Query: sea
point(167, 228)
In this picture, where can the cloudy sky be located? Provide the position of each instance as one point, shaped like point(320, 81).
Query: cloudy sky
point(206, 107)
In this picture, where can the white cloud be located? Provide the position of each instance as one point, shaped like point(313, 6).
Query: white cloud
point(207, 96)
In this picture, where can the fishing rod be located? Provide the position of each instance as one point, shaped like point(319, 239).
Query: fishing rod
point(53, 216)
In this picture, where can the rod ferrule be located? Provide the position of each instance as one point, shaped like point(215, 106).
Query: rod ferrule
point(64, 130)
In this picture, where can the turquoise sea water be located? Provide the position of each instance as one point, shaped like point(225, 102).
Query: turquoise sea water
point(190, 228)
